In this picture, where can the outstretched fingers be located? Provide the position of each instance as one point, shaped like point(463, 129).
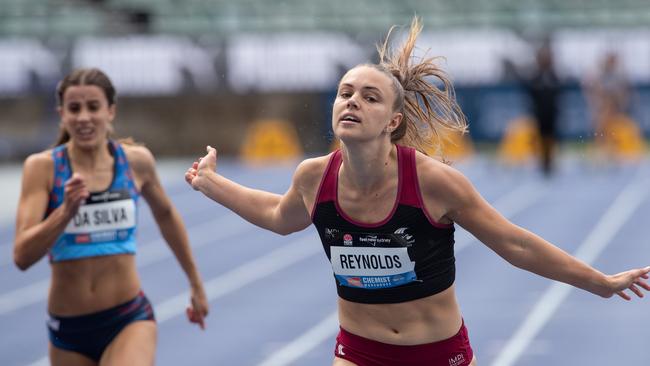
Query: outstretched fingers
point(640, 278)
point(639, 282)
point(643, 284)
point(635, 281)
point(636, 290)
point(624, 295)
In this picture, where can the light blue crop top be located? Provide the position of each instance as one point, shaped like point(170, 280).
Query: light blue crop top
point(105, 223)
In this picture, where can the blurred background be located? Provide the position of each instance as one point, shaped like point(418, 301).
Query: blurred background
point(257, 77)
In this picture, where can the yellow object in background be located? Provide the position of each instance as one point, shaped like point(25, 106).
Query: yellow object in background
point(454, 145)
point(520, 142)
point(623, 138)
point(271, 140)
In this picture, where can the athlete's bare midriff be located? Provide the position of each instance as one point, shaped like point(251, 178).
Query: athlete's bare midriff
point(89, 285)
point(430, 319)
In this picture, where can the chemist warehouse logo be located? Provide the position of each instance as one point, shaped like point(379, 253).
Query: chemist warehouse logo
point(354, 282)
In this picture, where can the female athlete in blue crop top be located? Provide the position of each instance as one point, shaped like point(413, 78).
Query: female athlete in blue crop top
point(78, 205)
point(385, 214)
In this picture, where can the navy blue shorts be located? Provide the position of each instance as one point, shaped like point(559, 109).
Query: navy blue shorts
point(91, 334)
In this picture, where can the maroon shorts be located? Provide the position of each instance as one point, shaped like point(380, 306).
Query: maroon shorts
point(455, 351)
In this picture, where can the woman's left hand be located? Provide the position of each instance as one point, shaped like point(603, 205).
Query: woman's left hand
point(197, 312)
point(633, 280)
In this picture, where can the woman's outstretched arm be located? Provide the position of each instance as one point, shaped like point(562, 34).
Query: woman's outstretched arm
point(520, 247)
point(282, 214)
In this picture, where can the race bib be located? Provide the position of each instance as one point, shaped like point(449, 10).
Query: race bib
point(109, 211)
point(372, 267)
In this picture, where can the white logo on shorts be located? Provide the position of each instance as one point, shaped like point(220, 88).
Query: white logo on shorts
point(53, 324)
point(340, 350)
point(457, 361)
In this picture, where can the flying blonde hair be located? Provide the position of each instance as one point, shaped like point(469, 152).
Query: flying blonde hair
point(430, 112)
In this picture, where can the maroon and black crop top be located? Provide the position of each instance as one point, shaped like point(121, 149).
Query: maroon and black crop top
point(406, 256)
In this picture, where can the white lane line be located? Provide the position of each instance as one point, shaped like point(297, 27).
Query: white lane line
point(201, 235)
point(509, 205)
point(45, 361)
point(27, 295)
point(305, 343)
point(10, 176)
point(241, 276)
point(153, 251)
point(597, 240)
point(264, 266)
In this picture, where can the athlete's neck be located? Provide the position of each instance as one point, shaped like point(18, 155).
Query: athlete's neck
point(366, 167)
point(88, 158)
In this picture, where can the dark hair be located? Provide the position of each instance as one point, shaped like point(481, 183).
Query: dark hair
point(79, 77)
point(429, 112)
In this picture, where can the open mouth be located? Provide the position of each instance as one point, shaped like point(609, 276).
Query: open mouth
point(350, 118)
point(85, 132)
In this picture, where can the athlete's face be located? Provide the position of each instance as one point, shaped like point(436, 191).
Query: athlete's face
point(363, 109)
point(86, 115)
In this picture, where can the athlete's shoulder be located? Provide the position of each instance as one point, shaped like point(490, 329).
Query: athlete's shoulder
point(40, 160)
point(138, 155)
point(38, 169)
point(315, 163)
point(432, 165)
point(439, 178)
point(310, 171)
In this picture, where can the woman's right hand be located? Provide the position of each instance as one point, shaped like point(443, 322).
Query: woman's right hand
point(195, 175)
point(75, 193)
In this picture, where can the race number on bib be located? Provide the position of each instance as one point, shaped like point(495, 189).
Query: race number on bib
point(371, 267)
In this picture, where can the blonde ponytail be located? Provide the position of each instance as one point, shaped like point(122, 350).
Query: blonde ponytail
point(430, 112)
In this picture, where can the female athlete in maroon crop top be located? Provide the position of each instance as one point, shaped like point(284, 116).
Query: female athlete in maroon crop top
point(393, 310)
